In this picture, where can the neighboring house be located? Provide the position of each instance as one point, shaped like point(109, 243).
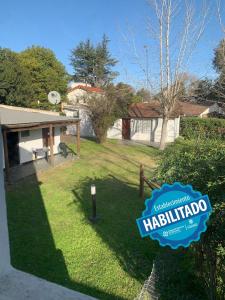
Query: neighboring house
point(144, 123)
point(189, 109)
point(78, 92)
point(77, 107)
point(216, 115)
point(30, 134)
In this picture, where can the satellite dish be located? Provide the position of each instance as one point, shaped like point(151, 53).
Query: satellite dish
point(54, 97)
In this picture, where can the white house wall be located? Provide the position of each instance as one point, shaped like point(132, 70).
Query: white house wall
point(152, 130)
point(115, 132)
point(34, 140)
point(177, 127)
point(86, 129)
point(137, 134)
point(4, 237)
point(213, 108)
point(76, 96)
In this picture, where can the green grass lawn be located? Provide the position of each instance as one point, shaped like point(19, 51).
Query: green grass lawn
point(50, 233)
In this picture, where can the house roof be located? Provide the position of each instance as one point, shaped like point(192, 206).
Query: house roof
point(215, 114)
point(89, 89)
point(150, 109)
point(191, 109)
point(12, 116)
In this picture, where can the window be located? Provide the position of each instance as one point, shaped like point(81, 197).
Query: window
point(143, 126)
point(138, 126)
point(76, 114)
point(25, 133)
point(146, 126)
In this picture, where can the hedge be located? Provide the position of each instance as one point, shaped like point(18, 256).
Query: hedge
point(212, 128)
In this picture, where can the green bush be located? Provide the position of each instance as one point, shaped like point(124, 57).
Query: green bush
point(212, 128)
point(202, 165)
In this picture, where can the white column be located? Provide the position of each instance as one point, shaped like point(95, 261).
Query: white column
point(4, 237)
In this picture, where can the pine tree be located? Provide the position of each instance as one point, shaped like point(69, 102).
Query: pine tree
point(93, 64)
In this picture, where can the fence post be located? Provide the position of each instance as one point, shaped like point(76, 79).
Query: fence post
point(141, 186)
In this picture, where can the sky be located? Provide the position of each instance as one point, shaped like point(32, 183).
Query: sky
point(61, 25)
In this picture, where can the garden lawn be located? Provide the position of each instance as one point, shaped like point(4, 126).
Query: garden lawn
point(50, 233)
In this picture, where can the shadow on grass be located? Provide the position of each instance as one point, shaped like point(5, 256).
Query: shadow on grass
point(32, 245)
point(132, 161)
point(33, 249)
point(118, 207)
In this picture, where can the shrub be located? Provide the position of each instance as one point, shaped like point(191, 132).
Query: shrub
point(202, 164)
point(213, 128)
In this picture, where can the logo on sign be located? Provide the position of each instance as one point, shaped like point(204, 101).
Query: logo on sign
point(175, 215)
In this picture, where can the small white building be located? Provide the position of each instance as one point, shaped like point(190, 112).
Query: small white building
point(144, 123)
point(30, 134)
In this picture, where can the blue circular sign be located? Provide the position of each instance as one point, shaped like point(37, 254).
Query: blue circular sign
point(175, 215)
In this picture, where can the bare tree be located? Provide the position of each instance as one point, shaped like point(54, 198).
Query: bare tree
point(219, 15)
point(179, 28)
point(105, 108)
point(101, 112)
point(219, 59)
point(174, 29)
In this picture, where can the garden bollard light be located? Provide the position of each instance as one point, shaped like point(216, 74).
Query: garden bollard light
point(94, 217)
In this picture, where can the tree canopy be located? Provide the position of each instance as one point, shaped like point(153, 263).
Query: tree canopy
point(143, 95)
point(93, 64)
point(204, 90)
point(106, 108)
point(208, 89)
point(15, 84)
point(46, 73)
point(219, 57)
point(219, 65)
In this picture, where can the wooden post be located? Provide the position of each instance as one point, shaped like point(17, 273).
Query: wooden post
point(51, 145)
point(6, 156)
point(78, 138)
point(141, 187)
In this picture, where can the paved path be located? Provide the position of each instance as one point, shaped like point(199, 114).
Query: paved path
point(17, 285)
point(145, 143)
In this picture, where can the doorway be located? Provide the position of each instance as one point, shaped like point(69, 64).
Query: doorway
point(46, 136)
point(13, 148)
point(126, 129)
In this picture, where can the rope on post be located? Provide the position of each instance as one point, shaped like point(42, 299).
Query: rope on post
point(152, 185)
point(141, 187)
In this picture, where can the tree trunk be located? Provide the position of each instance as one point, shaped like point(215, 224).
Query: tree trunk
point(100, 134)
point(163, 134)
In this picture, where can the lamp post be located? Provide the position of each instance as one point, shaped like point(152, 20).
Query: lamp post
point(147, 66)
point(94, 217)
